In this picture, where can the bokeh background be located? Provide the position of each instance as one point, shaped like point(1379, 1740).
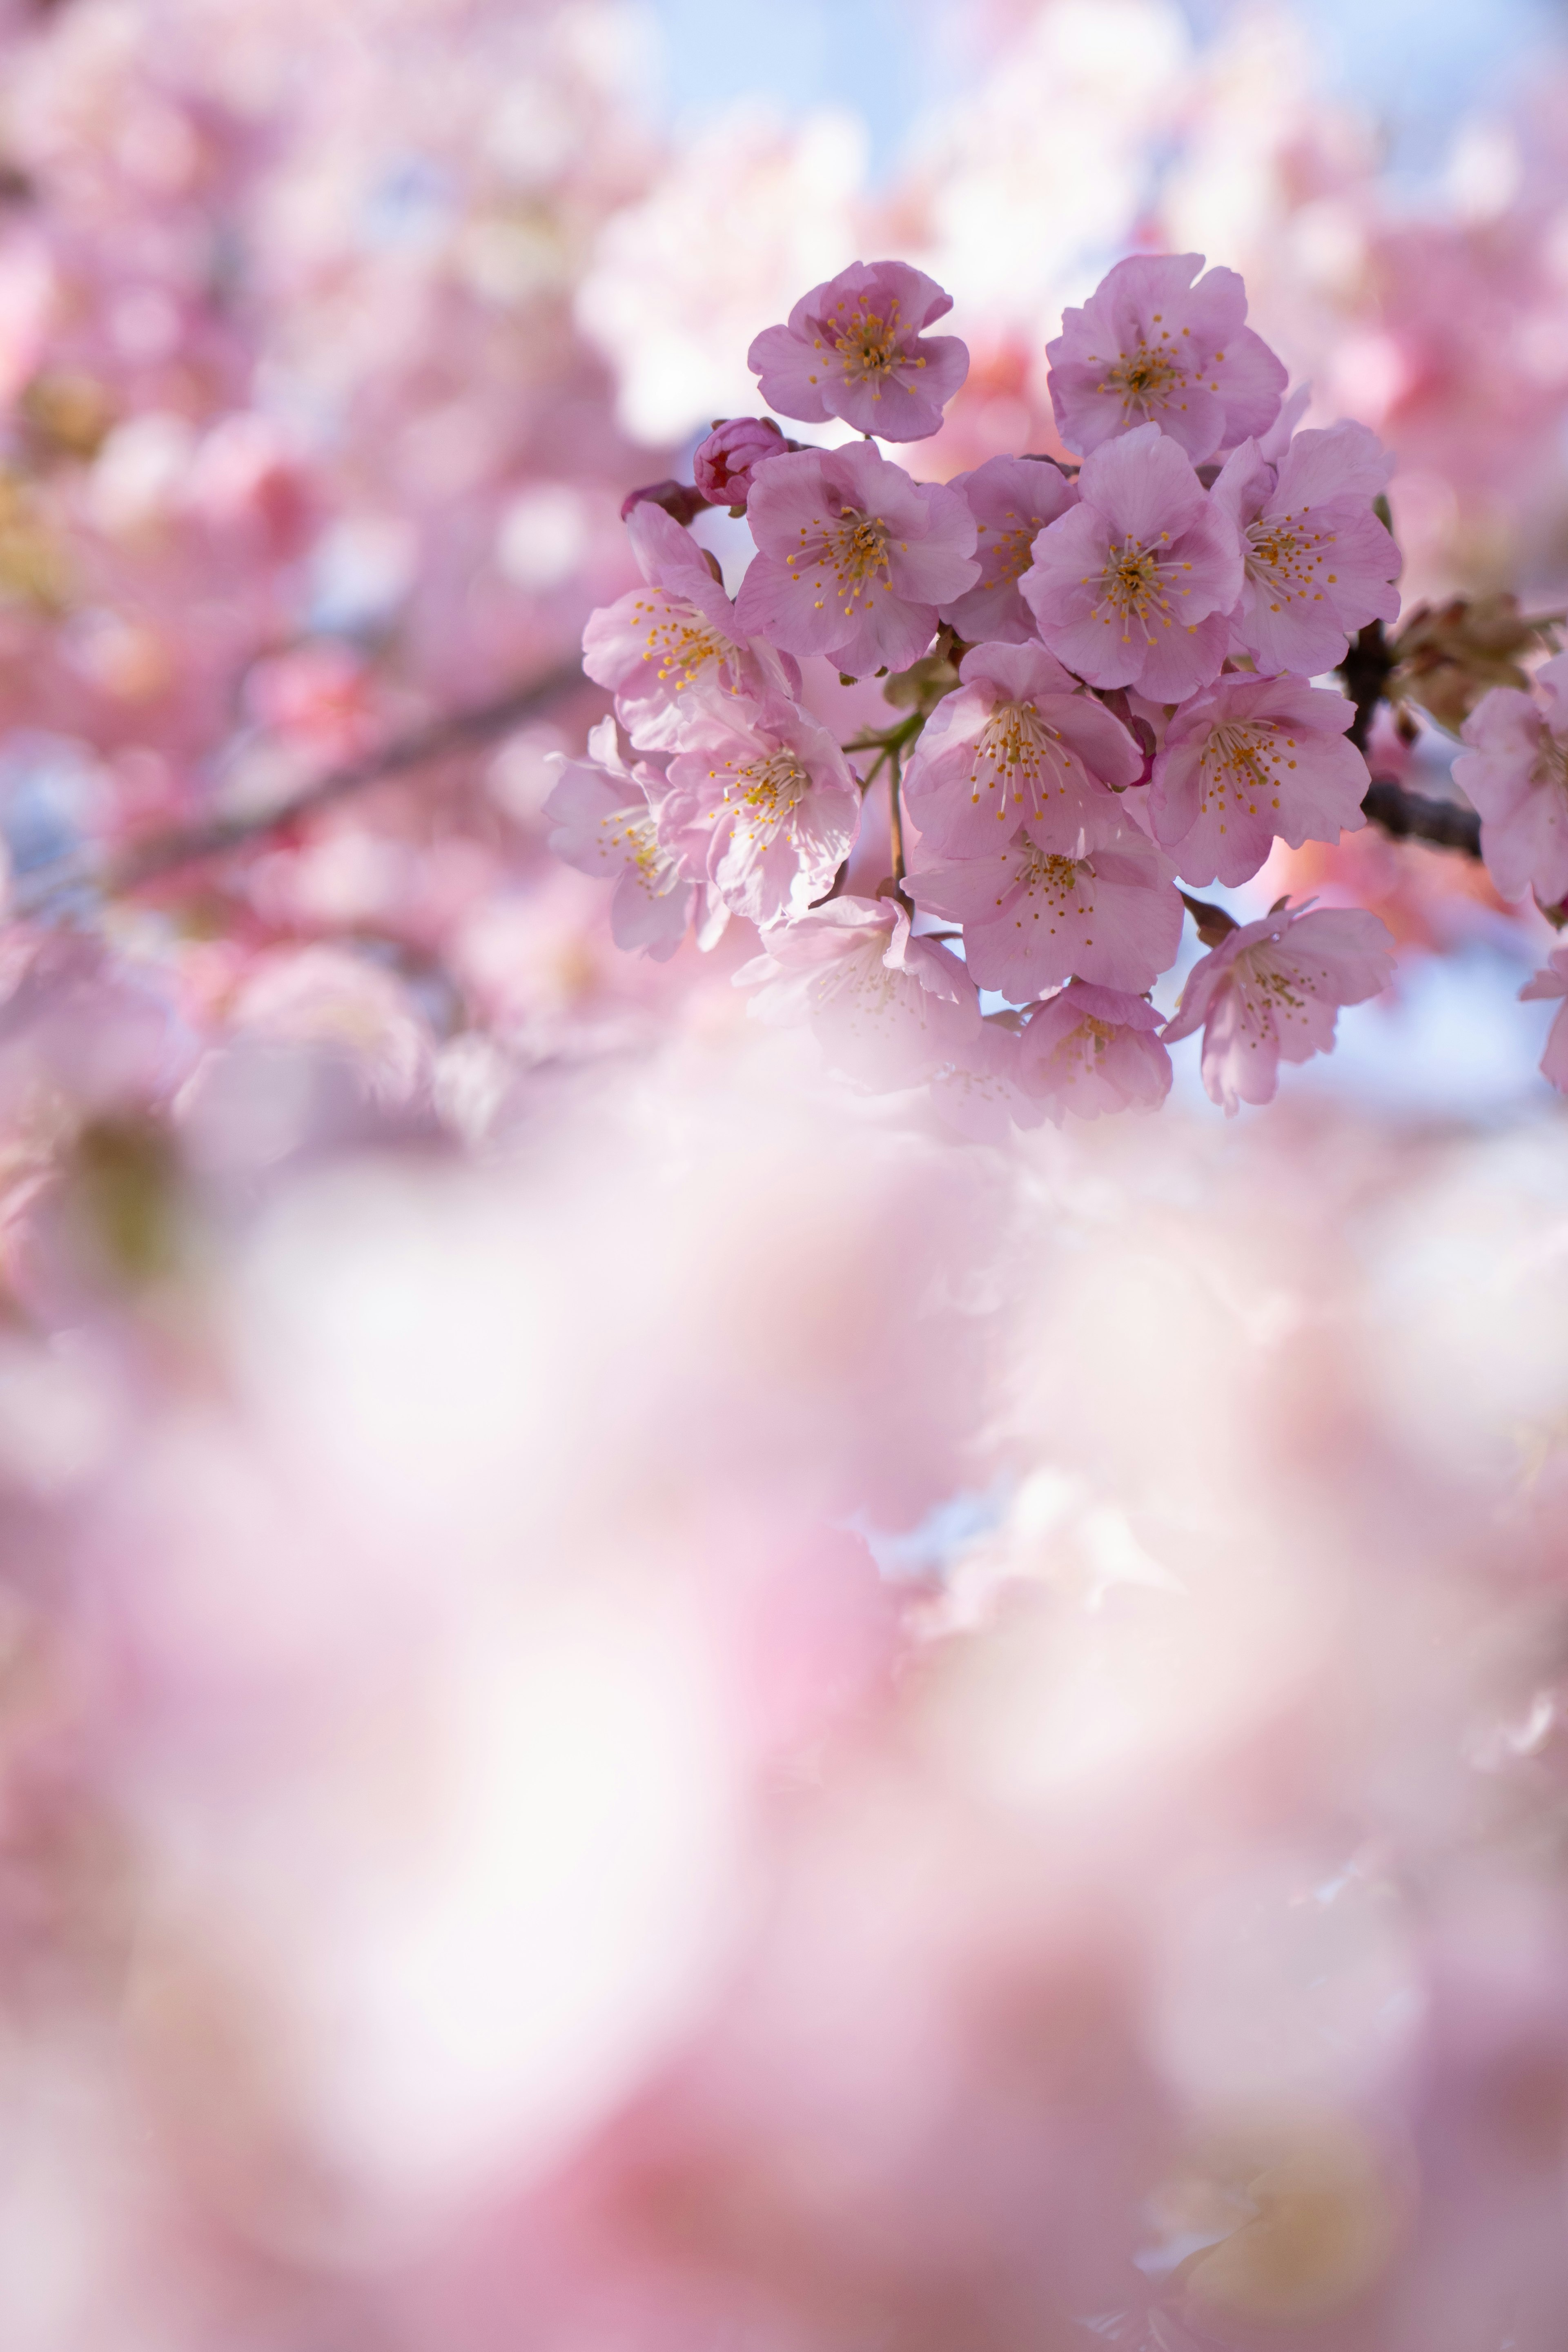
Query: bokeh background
point(646, 1705)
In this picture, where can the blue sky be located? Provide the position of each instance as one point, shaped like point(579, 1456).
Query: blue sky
point(1419, 64)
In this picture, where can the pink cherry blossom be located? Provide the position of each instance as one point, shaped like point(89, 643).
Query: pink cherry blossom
point(657, 645)
point(1151, 347)
point(1090, 1050)
point(1016, 745)
point(1319, 565)
point(888, 1009)
point(982, 1095)
point(1130, 586)
point(854, 348)
point(778, 798)
point(1516, 774)
point(855, 558)
point(724, 465)
point(1033, 917)
point(1552, 982)
point(603, 825)
point(1247, 759)
point(1012, 500)
point(1271, 991)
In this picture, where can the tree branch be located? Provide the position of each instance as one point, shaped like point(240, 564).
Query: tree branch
point(1409, 816)
point(165, 853)
point(1365, 670)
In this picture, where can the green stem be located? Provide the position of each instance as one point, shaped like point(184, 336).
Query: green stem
point(894, 818)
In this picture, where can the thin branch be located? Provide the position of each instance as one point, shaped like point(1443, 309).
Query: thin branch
point(165, 853)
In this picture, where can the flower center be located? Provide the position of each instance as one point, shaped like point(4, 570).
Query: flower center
point(1273, 992)
point(764, 794)
point(631, 832)
point(1082, 1048)
point(679, 639)
point(869, 345)
point(1146, 378)
point(1285, 559)
point(859, 985)
point(1241, 766)
point(1019, 759)
point(1008, 553)
point(1135, 589)
point(854, 548)
point(1053, 877)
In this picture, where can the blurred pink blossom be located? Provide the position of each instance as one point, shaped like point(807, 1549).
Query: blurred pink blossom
point(1516, 771)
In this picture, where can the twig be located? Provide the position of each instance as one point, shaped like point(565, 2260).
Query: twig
point(894, 818)
point(165, 853)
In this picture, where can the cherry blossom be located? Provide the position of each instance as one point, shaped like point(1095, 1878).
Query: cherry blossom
point(1549, 982)
point(888, 1008)
point(1106, 912)
point(1132, 586)
point(1093, 1050)
point(1516, 772)
point(776, 794)
point(1151, 347)
point(1249, 758)
point(1012, 500)
point(983, 1095)
point(855, 348)
point(1018, 743)
point(603, 824)
point(658, 644)
point(724, 466)
point(1319, 564)
point(854, 558)
point(1272, 991)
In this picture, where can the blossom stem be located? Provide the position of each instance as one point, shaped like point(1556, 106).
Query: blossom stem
point(895, 816)
point(1212, 923)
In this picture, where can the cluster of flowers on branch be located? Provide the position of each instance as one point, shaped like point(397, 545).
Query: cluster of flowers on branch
point(1103, 677)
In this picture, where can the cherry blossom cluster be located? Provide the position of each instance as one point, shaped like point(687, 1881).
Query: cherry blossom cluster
point(1104, 676)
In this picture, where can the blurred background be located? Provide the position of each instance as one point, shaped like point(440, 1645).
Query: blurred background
point(645, 1706)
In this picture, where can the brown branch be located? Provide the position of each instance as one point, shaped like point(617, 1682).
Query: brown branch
point(189, 844)
point(1366, 670)
point(1409, 816)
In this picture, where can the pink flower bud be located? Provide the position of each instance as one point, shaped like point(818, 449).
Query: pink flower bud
point(724, 465)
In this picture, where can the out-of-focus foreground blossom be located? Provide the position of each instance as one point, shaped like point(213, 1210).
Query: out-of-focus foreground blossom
point(487, 1853)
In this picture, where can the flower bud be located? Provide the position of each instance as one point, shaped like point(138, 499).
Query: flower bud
point(724, 465)
point(676, 499)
